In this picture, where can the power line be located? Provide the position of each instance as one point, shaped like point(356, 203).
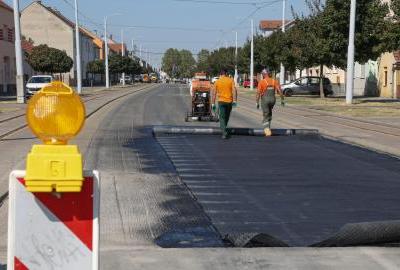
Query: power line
point(224, 2)
point(166, 28)
point(270, 3)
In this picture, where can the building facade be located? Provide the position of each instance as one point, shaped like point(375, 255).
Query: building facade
point(45, 25)
point(7, 50)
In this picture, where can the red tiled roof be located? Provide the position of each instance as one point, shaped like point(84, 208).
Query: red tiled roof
point(27, 46)
point(270, 25)
point(5, 6)
point(116, 47)
point(397, 56)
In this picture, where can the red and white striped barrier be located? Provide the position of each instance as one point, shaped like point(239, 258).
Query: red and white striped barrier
point(53, 230)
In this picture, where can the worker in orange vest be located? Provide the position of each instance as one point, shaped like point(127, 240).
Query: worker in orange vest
point(226, 91)
point(266, 90)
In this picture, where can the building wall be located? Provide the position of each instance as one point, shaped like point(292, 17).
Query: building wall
point(386, 75)
point(43, 27)
point(7, 53)
point(88, 54)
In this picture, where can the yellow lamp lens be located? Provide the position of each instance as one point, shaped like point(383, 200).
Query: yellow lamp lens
point(56, 113)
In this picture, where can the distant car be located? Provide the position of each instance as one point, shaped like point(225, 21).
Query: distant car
point(128, 79)
point(307, 86)
point(214, 79)
point(37, 82)
point(246, 83)
point(137, 78)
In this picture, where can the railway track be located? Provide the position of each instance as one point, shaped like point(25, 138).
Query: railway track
point(11, 125)
point(380, 128)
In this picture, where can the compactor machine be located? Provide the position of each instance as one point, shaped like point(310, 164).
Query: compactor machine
point(200, 91)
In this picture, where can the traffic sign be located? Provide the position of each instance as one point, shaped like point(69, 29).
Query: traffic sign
point(53, 230)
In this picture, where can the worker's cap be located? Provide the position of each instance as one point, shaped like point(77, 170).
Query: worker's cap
point(265, 71)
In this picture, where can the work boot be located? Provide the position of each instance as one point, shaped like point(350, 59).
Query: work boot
point(225, 135)
point(267, 132)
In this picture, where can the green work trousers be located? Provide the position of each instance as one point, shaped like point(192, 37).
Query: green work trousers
point(268, 101)
point(225, 109)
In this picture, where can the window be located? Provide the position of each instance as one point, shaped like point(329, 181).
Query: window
point(304, 81)
point(314, 81)
point(1, 34)
point(10, 33)
point(386, 78)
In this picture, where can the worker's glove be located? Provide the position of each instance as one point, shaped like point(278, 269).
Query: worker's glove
point(258, 106)
point(283, 103)
point(234, 104)
point(214, 108)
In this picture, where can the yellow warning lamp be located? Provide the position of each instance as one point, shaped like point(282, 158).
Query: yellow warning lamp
point(55, 114)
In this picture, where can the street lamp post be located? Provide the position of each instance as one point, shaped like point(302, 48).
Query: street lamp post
point(252, 56)
point(122, 54)
point(282, 72)
point(236, 59)
point(106, 49)
point(78, 51)
point(18, 55)
point(350, 55)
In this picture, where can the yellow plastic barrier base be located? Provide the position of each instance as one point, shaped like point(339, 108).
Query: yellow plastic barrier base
point(54, 168)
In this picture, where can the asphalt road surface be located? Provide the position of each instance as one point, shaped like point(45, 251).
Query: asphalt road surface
point(191, 191)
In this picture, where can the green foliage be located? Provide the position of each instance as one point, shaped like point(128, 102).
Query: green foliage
point(123, 64)
point(49, 60)
point(178, 63)
point(392, 35)
point(96, 67)
point(223, 58)
point(202, 61)
point(187, 64)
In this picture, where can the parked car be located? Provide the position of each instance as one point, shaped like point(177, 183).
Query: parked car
point(214, 79)
point(307, 86)
point(246, 83)
point(128, 79)
point(137, 78)
point(37, 82)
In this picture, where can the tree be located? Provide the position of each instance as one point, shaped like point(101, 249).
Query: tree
point(202, 61)
point(187, 64)
point(222, 59)
point(392, 36)
point(326, 31)
point(49, 60)
point(171, 62)
point(96, 67)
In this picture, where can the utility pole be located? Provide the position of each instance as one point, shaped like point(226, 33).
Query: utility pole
point(106, 53)
point(236, 59)
point(350, 55)
point(252, 57)
point(106, 50)
point(78, 51)
point(18, 55)
point(282, 72)
point(122, 54)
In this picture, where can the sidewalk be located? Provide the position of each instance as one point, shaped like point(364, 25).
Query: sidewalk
point(380, 133)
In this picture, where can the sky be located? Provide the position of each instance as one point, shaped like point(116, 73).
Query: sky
point(156, 25)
